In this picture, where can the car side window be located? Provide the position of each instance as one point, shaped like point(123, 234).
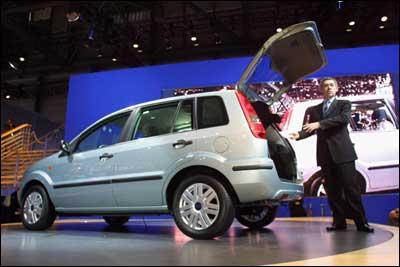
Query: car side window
point(107, 133)
point(155, 121)
point(211, 112)
point(372, 115)
point(184, 119)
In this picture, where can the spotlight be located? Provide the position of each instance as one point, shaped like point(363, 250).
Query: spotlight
point(114, 59)
point(73, 16)
point(99, 53)
point(140, 51)
point(91, 34)
point(348, 30)
point(384, 18)
point(135, 45)
point(381, 27)
point(193, 38)
point(13, 65)
point(21, 59)
point(8, 96)
point(196, 44)
point(352, 23)
point(279, 30)
point(339, 5)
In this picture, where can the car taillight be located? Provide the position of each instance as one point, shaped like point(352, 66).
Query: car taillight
point(256, 127)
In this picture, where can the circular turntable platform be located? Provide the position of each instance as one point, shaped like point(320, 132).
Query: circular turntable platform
point(160, 242)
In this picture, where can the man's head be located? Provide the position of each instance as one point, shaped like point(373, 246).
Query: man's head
point(329, 87)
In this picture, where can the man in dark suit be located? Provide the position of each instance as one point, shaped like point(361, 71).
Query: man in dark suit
point(336, 156)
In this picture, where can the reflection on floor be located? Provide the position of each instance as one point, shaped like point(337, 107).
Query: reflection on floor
point(159, 242)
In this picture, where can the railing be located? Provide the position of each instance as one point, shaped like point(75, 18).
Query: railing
point(20, 148)
point(14, 140)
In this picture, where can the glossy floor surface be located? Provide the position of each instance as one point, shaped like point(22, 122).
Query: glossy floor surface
point(159, 242)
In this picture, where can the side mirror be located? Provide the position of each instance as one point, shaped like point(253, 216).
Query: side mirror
point(65, 147)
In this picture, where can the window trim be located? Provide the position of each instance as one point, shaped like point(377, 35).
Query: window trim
point(177, 113)
point(150, 107)
point(97, 126)
point(224, 108)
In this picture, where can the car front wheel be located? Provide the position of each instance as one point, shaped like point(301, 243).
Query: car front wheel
point(256, 217)
point(202, 207)
point(37, 210)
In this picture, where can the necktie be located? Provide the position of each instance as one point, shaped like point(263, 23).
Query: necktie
point(326, 107)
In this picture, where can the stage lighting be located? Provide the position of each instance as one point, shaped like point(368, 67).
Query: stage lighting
point(193, 38)
point(339, 5)
point(21, 59)
point(196, 44)
point(99, 53)
point(13, 65)
point(91, 34)
point(348, 30)
point(384, 18)
point(8, 96)
point(381, 27)
point(279, 30)
point(352, 23)
point(114, 59)
point(73, 16)
point(140, 51)
point(135, 45)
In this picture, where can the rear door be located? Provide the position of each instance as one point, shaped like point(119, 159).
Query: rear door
point(162, 140)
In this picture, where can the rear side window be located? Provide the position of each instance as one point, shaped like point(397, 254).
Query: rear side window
point(211, 112)
point(155, 121)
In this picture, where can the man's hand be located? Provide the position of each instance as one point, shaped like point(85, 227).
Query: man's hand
point(294, 136)
point(310, 127)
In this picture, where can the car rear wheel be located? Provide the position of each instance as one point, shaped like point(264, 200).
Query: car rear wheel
point(202, 207)
point(116, 220)
point(256, 217)
point(37, 210)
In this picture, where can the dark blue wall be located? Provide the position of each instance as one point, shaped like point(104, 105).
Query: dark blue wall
point(94, 95)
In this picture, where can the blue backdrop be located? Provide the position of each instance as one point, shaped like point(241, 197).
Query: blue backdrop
point(93, 95)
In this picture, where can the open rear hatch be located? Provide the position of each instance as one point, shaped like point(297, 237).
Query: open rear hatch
point(285, 57)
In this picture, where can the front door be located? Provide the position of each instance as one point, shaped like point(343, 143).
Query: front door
point(82, 180)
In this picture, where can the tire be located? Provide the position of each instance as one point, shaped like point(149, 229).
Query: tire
point(116, 220)
point(316, 186)
point(38, 212)
point(256, 217)
point(205, 215)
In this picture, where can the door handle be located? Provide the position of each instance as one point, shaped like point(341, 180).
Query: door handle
point(106, 156)
point(182, 143)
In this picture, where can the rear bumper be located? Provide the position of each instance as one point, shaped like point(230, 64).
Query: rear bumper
point(262, 183)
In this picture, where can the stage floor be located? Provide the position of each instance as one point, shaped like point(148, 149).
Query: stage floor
point(300, 241)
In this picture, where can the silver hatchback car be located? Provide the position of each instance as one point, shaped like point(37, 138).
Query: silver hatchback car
point(205, 158)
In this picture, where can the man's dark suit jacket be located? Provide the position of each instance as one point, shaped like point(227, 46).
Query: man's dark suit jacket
point(333, 135)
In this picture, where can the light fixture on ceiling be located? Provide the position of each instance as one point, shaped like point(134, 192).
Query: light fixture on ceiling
point(352, 23)
point(381, 27)
point(21, 59)
point(348, 30)
point(279, 30)
point(384, 18)
point(73, 16)
point(135, 45)
point(8, 96)
point(13, 65)
point(140, 51)
point(114, 59)
point(193, 38)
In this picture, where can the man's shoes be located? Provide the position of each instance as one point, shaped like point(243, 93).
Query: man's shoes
point(336, 228)
point(365, 228)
